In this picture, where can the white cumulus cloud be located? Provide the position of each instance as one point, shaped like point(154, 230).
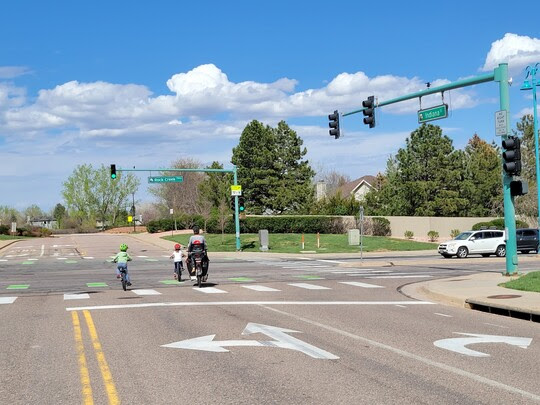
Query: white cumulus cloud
point(516, 50)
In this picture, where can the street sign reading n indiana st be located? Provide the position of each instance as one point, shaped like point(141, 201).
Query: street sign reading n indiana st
point(433, 113)
point(165, 179)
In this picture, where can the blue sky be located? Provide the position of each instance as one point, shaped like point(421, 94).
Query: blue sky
point(144, 84)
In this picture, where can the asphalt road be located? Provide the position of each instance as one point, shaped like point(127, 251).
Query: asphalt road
point(265, 331)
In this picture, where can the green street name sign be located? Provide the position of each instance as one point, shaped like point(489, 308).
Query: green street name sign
point(433, 113)
point(165, 179)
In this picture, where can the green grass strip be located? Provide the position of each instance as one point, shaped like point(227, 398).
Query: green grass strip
point(527, 282)
point(241, 279)
point(18, 287)
point(97, 284)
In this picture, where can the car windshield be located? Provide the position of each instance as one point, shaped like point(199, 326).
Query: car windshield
point(463, 235)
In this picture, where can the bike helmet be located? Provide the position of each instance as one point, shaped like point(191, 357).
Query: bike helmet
point(123, 247)
point(177, 246)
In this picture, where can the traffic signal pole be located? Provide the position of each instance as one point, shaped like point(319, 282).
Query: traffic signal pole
point(500, 74)
point(235, 180)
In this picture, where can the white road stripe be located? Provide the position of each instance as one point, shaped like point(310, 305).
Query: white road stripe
point(141, 256)
point(7, 300)
point(88, 257)
point(42, 250)
point(76, 296)
point(210, 290)
point(3, 260)
point(146, 292)
point(308, 286)
point(61, 258)
point(329, 261)
point(363, 285)
point(401, 306)
point(225, 303)
point(447, 316)
point(260, 288)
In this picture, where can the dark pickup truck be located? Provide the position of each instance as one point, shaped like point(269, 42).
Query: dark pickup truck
point(527, 240)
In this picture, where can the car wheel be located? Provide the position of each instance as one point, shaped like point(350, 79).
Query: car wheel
point(462, 252)
point(501, 251)
point(538, 248)
point(485, 254)
point(525, 251)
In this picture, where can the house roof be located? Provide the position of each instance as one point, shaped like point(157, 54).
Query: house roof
point(352, 186)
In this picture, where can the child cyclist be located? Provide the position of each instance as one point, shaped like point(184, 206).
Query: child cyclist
point(178, 265)
point(122, 258)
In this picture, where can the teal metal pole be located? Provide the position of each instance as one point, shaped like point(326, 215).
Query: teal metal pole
point(501, 76)
point(488, 77)
point(236, 218)
point(535, 121)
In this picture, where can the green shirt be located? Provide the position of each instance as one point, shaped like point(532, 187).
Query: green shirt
point(122, 257)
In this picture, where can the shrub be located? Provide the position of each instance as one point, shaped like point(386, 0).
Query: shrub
point(409, 234)
point(4, 230)
point(498, 223)
point(454, 233)
point(433, 236)
point(381, 227)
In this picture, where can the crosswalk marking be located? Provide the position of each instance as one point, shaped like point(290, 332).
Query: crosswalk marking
point(260, 288)
point(363, 285)
point(7, 300)
point(210, 290)
point(417, 276)
point(308, 286)
point(146, 292)
point(76, 296)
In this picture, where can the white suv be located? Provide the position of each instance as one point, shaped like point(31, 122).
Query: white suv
point(484, 242)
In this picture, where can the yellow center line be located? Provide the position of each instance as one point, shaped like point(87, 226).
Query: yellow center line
point(85, 376)
point(103, 366)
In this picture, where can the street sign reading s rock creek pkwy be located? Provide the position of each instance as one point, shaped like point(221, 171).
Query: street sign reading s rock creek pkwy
point(433, 113)
point(165, 179)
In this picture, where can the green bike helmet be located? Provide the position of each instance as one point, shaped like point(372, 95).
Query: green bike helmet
point(123, 247)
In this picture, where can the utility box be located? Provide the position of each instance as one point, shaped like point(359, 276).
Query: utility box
point(263, 239)
point(354, 237)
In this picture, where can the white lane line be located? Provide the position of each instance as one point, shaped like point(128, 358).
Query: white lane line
point(88, 257)
point(398, 276)
point(330, 261)
point(141, 256)
point(225, 303)
point(498, 326)
point(42, 250)
point(7, 300)
point(261, 288)
point(403, 353)
point(447, 316)
point(76, 296)
point(146, 292)
point(210, 290)
point(61, 258)
point(308, 286)
point(401, 306)
point(363, 285)
point(3, 260)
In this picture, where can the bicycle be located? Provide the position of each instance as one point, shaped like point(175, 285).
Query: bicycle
point(123, 275)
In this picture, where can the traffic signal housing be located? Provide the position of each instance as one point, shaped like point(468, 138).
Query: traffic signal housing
point(334, 124)
point(512, 156)
point(518, 187)
point(233, 205)
point(113, 172)
point(241, 204)
point(369, 111)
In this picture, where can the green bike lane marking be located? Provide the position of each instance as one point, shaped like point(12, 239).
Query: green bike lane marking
point(71, 261)
point(171, 282)
point(241, 279)
point(29, 262)
point(18, 287)
point(310, 277)
point(97, 285)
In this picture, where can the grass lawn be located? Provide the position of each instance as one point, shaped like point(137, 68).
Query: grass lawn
point(291, 243)
point(527, 282)
point(9, 237)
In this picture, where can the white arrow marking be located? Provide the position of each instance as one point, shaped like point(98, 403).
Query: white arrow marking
point(282, 340)
point(458, 344)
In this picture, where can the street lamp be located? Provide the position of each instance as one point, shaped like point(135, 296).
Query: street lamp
point(531, 85)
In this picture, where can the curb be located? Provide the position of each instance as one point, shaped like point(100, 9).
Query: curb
point(9, 243)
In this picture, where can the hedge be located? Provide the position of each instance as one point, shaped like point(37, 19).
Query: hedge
point(498, 223)
point(274, 224)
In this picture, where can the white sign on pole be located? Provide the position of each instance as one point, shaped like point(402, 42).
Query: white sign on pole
point(236, 190)
point(13, 227)
point(171, 211)
point(501, 123)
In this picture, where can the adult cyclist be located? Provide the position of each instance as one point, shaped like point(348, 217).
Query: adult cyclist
point(197, 243)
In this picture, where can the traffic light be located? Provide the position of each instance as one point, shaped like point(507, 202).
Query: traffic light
point(334, 124)
point(241, 204)
point(518, 187)
point(113, 172)
point(232, 203)
point(369, 112)
point(512, 156)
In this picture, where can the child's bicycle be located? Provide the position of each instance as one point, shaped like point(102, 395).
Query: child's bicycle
point(123, 275)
